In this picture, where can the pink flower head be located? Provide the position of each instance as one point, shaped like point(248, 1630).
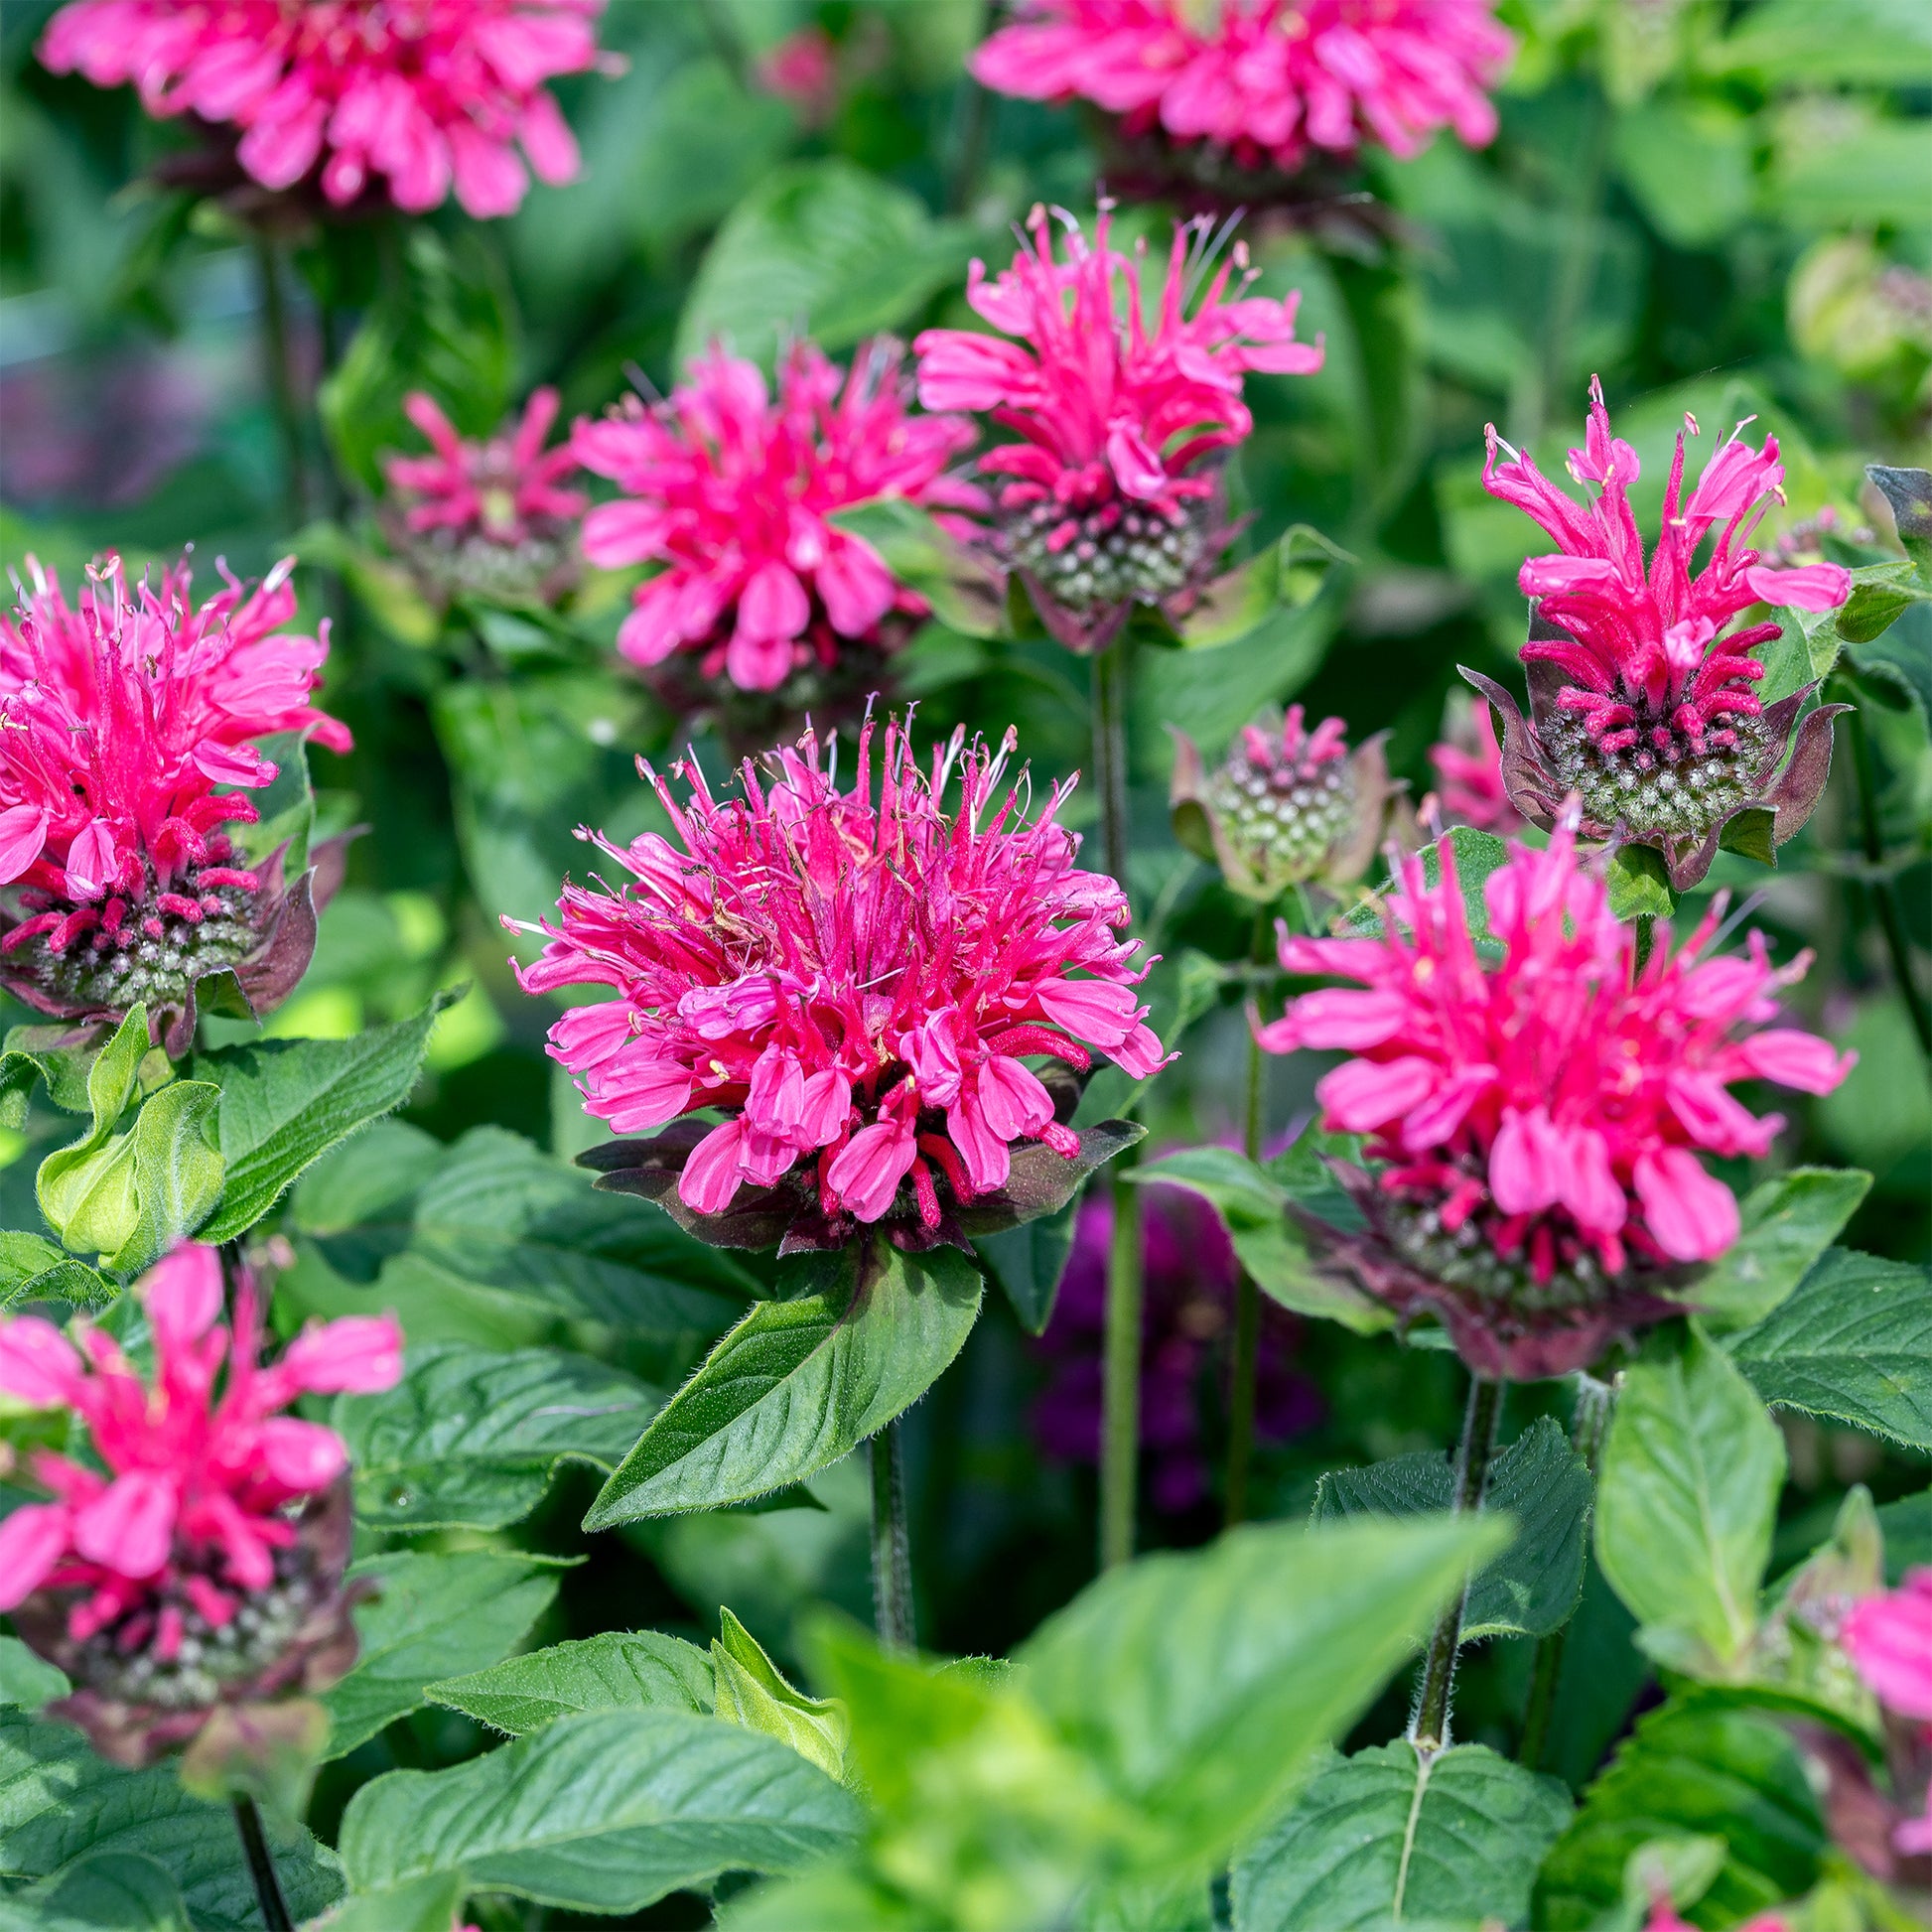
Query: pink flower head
point(1468, 765)
point(119, 722)
point(1638, 702)
point(1537, 1121)
point(1263, 81)
point(1119, 420)
point(1889, 1638)
point(804, 70)
point(855, 979)
point(425, 93)
point(129, 1577)
point(733, 492)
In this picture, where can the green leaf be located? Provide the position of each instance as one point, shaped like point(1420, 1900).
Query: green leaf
point(470, 1437)
point(602, 1813)
point(1200, 1685)
point(35, 1053)
point(1028, 1263)
point(1909, 493)
point(27, 1680)
point(966, 591)
point(116, 1891)
point(35, 1269)
point(1852, 1344)
point(1388, 1834)
point(1639, 885)
point(61, 1805)
point(436, 1617)
point(1477, 854)
point(286, 1102)
point(443, 325)
point(431, 1903)
point(617, 1670)
point(1907, 1529)
point(822, 249)
point(359, 1201)
point(752, 1690)
point(1539, 1481)
point(799, 1383)
point(1700, 1766)
point(1686, 1503)
point(1253, 1204)
point(1787, 1222)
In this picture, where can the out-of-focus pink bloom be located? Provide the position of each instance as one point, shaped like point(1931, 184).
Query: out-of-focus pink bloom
point(1662, 1918)
point(1537, 1122)
point(502, 488)
point(428, 94)
point(1888, 1637)
point(1468, 765)
point(1267, 80)
point(1113, 495)
point(732, 492)
point(1187, 1325)
point(804, 70)
point(856, 979)
point(118, 721)
point(188, 1569)
point(1637, 702)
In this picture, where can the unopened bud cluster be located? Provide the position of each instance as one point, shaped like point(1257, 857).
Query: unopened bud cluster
point(1665, 782)
point(1285, 812)
point(1119, 553)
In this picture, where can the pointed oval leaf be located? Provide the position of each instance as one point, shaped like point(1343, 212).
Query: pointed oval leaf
point(1787, 1222)
point(617, 1670)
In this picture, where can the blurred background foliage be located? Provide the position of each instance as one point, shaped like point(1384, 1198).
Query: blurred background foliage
point(1718, 207)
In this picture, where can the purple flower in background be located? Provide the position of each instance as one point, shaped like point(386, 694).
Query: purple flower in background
point(1187, 1330)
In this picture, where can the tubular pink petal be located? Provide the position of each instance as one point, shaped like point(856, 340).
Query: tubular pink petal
point(1691, 1215)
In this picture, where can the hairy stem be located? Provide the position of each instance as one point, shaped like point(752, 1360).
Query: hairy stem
point(1883, 898)
point(261, 1867)
point(891, 1553)
point(1429, 1730)
point(284, 392)
point(1587, 1434)
point(1246, 1295)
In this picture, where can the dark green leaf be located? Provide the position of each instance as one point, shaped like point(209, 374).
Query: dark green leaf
point(60, 1804)
point(1907, 1528)
point(35, 1269)
point(1853, 1344)
point(617, 1670)
point(1200, 1685)
point(359, 1201)
point(1539, 1481)
point(1686, 1501)
point(1698, 1765)
point(1787, 1222)
point(1387, 1835)
point(602, 1813)
point(116, 1891)
point(437, 1616)
point(1909, 493)
point(431, 1903)
point(1028, 1263)
point(798, 1383)
point(470, 1439)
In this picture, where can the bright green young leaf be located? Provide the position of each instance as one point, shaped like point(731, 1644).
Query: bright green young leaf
point(1686, 1503)
point(435, 1616)
point(821, 248)
point(1852, 1344)
point(1386, 1835)
point(1639, 885)
point(833, 1898)
point(27, 1680)
point(1028, 1263)
point(470, 1437)
point(30, 1055)
point(35, 1269)
point(966, 592)
point(1788, 1221)
point(798, 1383)
point(431, 1903)
point(1253, 1204)
point(1699, 1766)
point(751, 1690)
point(60, 1804)
point(1202, 1684)
point(617, 1670)
point(286, 1102)
point(602, 1813)
point(1539, 1482)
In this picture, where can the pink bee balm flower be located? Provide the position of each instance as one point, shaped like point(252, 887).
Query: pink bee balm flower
point(1468, 765)
point(856, 980)
point(119, 722)
point(1888, 1637)
point(489, 515)
point(1536, 1123)
point(732, 492)
point(1113, 495)
point(204, 1564)
point(1636, 701)
point(425, 93)
point(804, 70)
point(1264, 82)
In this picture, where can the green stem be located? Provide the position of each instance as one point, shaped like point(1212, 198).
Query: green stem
point(1110, 756)
point(1428, 1731)
point(283, 391)
point(891, 1554)
point(262, 1867)
point(1587, 1434)
point(1246, 1295)
point(968, 144)
point(1883, 898)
